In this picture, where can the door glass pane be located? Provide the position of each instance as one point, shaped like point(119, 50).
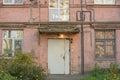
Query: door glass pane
point(53, 3)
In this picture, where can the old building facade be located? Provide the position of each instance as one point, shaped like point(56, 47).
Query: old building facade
point(66, 36)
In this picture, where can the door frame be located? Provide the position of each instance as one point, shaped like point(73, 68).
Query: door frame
point(70, 41)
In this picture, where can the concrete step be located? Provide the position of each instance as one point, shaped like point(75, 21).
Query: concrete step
point(64, 77)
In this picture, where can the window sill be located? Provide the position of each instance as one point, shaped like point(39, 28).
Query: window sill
point(104, 5)
point(22, 6)
point(105, 59)
point(94, 5)
point(13, 5)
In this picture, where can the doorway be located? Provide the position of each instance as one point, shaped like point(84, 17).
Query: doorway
point(59, 56)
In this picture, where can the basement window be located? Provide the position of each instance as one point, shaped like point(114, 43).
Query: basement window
point(104, 44)
point(12, 41)
point(12, 2)
point(104, 1)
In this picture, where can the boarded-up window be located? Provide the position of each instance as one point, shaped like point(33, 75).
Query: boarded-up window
point(59, 10)
point(104, 1)
point(105, 44)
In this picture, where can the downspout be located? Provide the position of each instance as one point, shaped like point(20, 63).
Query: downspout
point(31, 17)
point(82, 39)
point(39, 7)
point(39, 36)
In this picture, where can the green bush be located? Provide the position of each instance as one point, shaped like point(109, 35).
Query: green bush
point(6, 76)
point(26, 72)
point(96, 71)
point(21, 67)
point(24, 58)
point(104, 74)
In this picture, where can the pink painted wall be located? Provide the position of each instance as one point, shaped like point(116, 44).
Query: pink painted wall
point(118, 46)
point(22, 13)
point(107, 14)
point(74, 51)
point(30, 43)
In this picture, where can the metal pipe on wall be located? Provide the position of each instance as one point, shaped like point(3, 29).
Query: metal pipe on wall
point(82, 39)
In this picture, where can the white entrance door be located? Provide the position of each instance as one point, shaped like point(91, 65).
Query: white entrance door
point(58, 56)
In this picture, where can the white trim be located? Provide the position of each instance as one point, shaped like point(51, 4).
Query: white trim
point(104, 2)
point(12, 2)
point(58, 9)
point(13, 39)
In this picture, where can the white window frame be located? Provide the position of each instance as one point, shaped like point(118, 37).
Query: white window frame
point(13, 42)
point(58, 10)
point(103, 2)
point(12, 3)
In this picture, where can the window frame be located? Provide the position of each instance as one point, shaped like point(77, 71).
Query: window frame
point(59, 9)
point(103, 2)
point(105, 40)
point(13, 39)
point(12, 3)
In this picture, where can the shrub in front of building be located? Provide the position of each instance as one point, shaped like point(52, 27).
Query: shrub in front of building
point(112, 73)
point(20, 67)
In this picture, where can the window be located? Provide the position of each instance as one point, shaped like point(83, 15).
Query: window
point(12, 1)
point(59, 10)
point(12, 41)
point(105, 44)
point(104, 1)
